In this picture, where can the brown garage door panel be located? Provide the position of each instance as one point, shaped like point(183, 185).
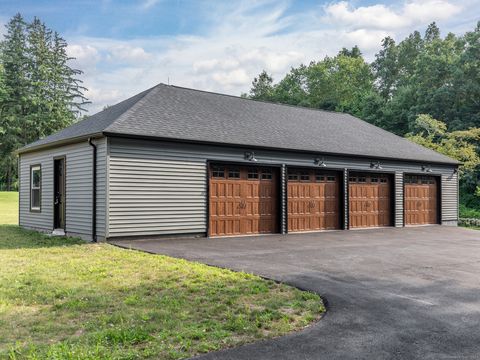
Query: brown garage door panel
point(243, 200)
point(421, 204)
point(313, 200)
point(369, 200)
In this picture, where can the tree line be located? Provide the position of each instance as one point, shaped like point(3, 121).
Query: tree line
point(426, 88)
point(39, 92)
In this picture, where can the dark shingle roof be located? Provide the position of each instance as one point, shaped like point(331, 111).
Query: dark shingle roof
point(171, 112)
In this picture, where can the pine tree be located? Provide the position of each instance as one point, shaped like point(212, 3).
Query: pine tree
point(42, 92)
point(262, 87)
point(15, 104)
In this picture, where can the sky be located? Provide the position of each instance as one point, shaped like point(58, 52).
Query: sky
point(125, 47)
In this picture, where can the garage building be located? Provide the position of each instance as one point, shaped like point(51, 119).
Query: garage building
point(176, 161)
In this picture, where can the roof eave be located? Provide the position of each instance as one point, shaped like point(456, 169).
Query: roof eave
point(52, 144)
point(204, 142)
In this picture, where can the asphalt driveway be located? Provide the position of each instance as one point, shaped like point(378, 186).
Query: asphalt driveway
point(411, 293)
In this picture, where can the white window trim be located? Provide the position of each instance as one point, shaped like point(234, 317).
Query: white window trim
point(39, 188)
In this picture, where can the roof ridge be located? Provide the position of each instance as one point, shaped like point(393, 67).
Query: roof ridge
point(137, 103)
point(258, 100)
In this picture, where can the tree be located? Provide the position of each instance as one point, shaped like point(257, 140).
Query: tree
point(340, 83)
point(462, 145)
point(385, 67)
point(16, 101)
point(354, 52)
point(41, 92)
point(262, 88)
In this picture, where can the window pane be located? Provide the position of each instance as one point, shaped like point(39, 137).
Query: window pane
point(36, 198)
point(218, 171)
point(234, 173)
point(252, 173)
point(266, 174)
point(304, 175)
point(36, 178)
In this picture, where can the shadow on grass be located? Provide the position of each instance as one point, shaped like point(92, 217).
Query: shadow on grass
point(14, 237)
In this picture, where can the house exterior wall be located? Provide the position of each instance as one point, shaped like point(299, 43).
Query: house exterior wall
point(160, 188)
point(78, 195)
point(398, 199)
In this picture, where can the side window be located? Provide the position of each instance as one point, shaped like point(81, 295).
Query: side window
point(35, 187)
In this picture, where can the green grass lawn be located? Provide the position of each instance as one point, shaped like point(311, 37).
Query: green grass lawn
point(65, 299)
point(8, 207)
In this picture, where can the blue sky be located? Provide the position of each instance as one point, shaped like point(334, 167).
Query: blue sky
point(124, 47)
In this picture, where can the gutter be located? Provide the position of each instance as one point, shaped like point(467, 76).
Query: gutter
point(94, 189)
point(53, 144)
point(270, 148)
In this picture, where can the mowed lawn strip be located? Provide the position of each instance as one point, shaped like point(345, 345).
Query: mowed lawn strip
point(63, 298)
point(9, 207)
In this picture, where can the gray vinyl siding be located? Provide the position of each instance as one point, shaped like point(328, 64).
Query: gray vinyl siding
point(398, 199)
point(160, 187)
point(154, 191)
point(283, 200)
point(78, 168)
point(345, 199)
point(449, 191)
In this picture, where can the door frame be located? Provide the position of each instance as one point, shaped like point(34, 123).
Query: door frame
point(341, 192)
point(391, 175)
point(438, 176)
point(64, 158)
point(211, 162)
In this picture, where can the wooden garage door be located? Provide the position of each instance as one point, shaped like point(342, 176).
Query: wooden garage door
point(313, 200)
point(369, 200)
point(421, 193)
point(243, 200)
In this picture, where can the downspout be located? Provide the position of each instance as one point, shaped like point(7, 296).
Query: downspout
point(94, 190)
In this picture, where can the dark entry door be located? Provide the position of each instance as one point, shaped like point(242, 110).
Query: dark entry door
point(59, 194)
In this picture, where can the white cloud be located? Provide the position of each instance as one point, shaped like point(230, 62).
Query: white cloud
point(127, 53)
point(232, 78)
point(243, 39)
point(380, 16)
point(147, 4)
point(86, 55)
